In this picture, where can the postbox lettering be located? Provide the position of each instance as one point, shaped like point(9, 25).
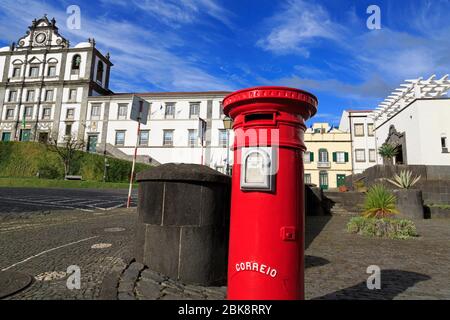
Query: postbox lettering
point(255, 266)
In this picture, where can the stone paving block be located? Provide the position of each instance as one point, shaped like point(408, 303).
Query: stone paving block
point(174, 297)
point(155, 276)
point(172, 284)
point(126, 296)
point(196, 289)
point(170, 290)
point(149, 290)
point(194, 294)
point(126, 286)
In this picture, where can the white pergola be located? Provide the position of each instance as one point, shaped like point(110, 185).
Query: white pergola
point(408, 92)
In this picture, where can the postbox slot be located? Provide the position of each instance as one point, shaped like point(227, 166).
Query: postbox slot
point(259, 117)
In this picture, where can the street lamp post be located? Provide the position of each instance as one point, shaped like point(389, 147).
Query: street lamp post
point(105, 166)
point(228, 125)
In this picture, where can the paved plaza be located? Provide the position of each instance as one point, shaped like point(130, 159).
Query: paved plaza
point(29, 200)
point(100, 243)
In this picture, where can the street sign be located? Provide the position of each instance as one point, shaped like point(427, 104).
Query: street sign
point(202, 125)
point(138, 114)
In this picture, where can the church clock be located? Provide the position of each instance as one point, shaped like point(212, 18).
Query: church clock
point(40, 38)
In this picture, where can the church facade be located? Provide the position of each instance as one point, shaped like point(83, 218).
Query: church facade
point(45, 84)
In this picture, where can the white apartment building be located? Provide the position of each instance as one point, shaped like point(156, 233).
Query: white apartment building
point(171, 133)
point(416, 119)
point(362, 131)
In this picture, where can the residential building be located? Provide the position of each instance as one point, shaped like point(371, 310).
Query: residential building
point(328, 159)
point(171, 132)
point(416, 120)
point(361, 128)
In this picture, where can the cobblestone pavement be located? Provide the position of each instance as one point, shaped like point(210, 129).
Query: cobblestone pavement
point(336, 262)
point(138, 283)
point(410, 269)
point(44, 246)
point(336, 265)
point(24, 201)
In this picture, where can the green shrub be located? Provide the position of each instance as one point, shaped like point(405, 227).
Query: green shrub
point(382, 228)
point(404, 180)
point(388, 151)
point(360, 186)
point(379, 203)
point(27, 159)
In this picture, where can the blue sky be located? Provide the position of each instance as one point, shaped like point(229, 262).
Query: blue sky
point(196, 45)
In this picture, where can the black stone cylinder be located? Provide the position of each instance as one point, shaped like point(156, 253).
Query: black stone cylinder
point(183, 222)
point(410, 203)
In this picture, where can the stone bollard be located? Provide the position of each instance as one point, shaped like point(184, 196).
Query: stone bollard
point(410, 203)
point(183, 222)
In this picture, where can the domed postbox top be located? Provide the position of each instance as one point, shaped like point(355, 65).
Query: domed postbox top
point(183, 172)
point(299, 101)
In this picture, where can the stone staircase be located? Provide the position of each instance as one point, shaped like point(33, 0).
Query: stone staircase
point(338, 210)
point(344, 203)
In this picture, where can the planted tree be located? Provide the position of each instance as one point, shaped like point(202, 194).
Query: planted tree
point(380, 203)
point(388, 152)
point(67, 150)
point(404, 180)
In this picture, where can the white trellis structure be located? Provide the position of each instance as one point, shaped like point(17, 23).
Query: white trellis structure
point(408, 92)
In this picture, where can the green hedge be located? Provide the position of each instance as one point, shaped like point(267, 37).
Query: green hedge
point(26, 159)
point(384, 228)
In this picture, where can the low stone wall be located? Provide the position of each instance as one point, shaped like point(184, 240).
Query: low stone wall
point(434, 183)
point(435, 212)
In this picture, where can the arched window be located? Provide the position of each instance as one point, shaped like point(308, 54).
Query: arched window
point(100, 71)
point(76, 63)
point(323, 155)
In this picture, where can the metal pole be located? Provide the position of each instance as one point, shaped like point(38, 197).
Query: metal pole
point(134, 158)
point(202, 153)
point(228, 151)
point(104, 164)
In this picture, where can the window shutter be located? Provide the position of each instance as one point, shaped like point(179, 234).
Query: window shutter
point(346, 157)
point(311, 156)
point(334, 156)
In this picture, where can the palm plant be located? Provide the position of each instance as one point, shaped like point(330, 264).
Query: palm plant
point(388, 151)
point(404, 180)
point(379, 203)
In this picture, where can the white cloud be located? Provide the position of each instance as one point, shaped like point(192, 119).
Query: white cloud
point(370, 63)
point(374, 87)
point(145, 56)
point(175, 13)
point(296, 25)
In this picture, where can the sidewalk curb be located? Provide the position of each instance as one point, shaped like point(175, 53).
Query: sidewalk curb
point(110, 283)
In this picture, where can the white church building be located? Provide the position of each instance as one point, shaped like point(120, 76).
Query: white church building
point(48, 89)
point(416, 119)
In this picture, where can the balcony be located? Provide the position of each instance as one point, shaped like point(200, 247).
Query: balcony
point(324, 165)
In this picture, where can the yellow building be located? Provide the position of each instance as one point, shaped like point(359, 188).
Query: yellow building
point(327, 160)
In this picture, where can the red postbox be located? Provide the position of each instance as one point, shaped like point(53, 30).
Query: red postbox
point(266, 254)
